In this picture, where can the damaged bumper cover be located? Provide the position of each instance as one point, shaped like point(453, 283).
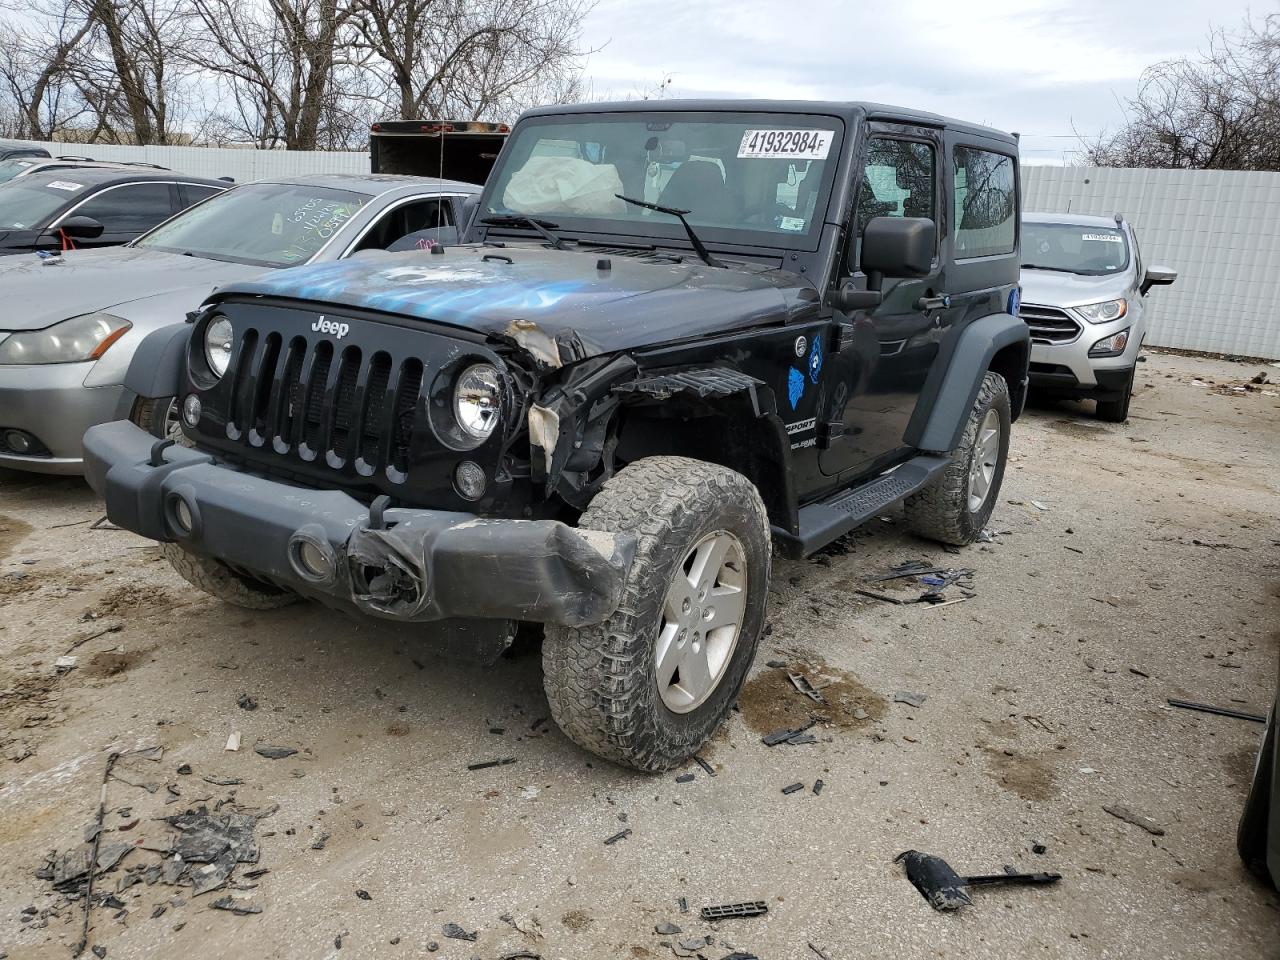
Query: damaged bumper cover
point(416, 565)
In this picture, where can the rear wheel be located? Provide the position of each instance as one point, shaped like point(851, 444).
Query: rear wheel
point(650, 684)
point(956, 506)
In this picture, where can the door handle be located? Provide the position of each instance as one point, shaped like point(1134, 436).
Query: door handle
point(940, 302)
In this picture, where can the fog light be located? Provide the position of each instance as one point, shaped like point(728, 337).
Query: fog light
point(191, 410)
point(470, 480)
point(182, 514)
point(313, 560)
point(17, 441)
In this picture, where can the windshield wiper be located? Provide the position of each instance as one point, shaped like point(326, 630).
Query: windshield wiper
point(698, 248)
point(1038, 266)
point(543, 227)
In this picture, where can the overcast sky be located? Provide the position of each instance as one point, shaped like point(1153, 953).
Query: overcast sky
point(1040, 67)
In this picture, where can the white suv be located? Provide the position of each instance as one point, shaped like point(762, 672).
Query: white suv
point(1083, 296)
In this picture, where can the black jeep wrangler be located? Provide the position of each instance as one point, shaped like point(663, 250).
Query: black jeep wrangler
point(672, 336)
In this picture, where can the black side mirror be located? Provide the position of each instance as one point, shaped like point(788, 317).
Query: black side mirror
point(1157, 277)
point(897, 247)
point(81, 228)
point(891, 247)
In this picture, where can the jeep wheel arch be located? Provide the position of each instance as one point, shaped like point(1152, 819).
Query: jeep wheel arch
point(998, 342)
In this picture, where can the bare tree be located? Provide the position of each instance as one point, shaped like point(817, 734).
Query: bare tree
point(1218, 111)
point(133, 76)
point(37, 50)
point(277, 62)
point(472, 59)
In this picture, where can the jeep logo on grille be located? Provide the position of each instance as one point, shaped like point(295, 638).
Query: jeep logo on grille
point(339, 330)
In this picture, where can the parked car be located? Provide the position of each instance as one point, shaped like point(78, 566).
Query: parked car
point(23, 166)
point(1258, 837)
point(72, 328)
point(92, 207)
point(599, 412)
point(15, 148)
point(1084, 288)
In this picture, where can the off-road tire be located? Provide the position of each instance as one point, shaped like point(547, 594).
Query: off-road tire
point(1116, 411)
point(218, 580)
point(151, 414)
point(941, 510)
point(601, 680)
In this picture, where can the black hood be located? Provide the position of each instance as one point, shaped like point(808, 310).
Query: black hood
point(515, 291)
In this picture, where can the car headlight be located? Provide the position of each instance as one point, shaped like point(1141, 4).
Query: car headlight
point(1103, 312)
point(477, 401)
point(81, 338)
point(218, 337)
point(1111, 346)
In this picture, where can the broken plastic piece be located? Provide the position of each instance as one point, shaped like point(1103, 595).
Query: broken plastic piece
point(749, 908)
point(802, 685)
point(239, 907)
point(785, 735)
point(685, 778)
point(620, 835)
point(273, 753)
point(793, 788)
point(909, 698)
point(945, 889)
point(486, 764)
point(710, 770)
point(817, 787)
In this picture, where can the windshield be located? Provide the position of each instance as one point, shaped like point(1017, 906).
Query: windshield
point(12, 167)
point(753, 179)
point(29, 203)
point(1071, 248)
point(263, 224)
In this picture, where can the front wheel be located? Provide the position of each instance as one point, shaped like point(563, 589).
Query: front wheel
point(650, 684)
point(1117, 411)
point(159, 417)
point(956, 506)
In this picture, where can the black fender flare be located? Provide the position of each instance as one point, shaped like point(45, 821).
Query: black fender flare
point(976, 346)
point(156, 367)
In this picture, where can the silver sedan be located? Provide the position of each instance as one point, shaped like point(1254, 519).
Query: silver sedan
point(69, 325)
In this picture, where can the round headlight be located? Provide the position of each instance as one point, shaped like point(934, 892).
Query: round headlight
point(477, 401)
point(218, 336)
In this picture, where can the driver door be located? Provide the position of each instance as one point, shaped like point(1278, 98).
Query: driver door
point(886, 352)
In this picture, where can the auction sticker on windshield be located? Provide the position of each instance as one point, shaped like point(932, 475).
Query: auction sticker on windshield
point(64, 185)
point(785, 144)
point(1104, 237)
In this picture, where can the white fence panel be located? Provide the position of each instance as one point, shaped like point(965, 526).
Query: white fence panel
point(240, 165)
point(1219, 229)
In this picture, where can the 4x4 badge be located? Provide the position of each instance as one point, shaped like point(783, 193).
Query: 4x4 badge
point(339, 330)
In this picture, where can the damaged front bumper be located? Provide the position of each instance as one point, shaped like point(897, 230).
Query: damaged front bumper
point(401, 564)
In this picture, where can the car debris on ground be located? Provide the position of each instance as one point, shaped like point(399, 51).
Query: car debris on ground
point(1121, 812)
point(944, 889)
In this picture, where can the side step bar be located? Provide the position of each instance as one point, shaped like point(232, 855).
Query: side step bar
point(824, 521)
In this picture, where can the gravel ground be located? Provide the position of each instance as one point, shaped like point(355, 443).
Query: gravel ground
point(1132, 563)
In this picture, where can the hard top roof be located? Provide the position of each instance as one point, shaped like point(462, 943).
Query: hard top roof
point(847, 110)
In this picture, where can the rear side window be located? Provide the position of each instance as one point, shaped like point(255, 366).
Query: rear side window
point(986, 203)
point(131, 209)
point(193, 193)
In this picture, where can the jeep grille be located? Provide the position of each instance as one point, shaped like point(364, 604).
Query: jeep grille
point(335, 404)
